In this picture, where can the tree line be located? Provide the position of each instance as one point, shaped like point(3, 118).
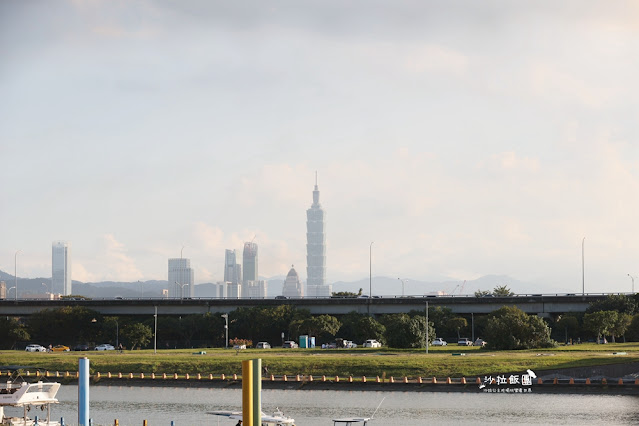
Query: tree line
point(616, 317)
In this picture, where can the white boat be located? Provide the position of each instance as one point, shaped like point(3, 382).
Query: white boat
point(38, 396)
point(277, 419)
point(351, 421)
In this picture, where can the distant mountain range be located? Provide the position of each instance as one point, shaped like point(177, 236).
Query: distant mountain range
point(381, 286)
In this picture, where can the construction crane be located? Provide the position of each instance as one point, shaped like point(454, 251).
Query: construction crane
point(460, 287)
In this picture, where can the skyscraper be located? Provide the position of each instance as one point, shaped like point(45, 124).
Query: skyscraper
point(181, 278)
point(249, 262)
point(316, 248)
point(61, 268)
point(232, 270)
point(292, 285)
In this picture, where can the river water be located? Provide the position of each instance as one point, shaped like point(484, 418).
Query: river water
point(188, 407)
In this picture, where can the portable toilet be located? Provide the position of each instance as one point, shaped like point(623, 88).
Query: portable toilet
point(311, 342)
point(304, 341)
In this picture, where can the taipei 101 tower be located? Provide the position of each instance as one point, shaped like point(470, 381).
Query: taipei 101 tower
point(316, 249)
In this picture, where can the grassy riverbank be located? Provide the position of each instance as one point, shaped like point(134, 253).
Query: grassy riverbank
point(440, 362)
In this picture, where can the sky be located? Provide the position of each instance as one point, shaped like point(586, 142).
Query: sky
point(462, 138)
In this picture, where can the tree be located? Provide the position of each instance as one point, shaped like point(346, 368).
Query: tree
point(620, 326)
point(633, 329)
point(321, 326)
point(137, 334)
point(404, 331)
point(568, 325)
point(348, 294)
point(499, 291)
point(360, 327)
point(511, 328)
point(457, 324)
point(615, 302)
point(502, 290)
point(11, 332)
point(440, 317)
point(600, 322)
point(66, 324)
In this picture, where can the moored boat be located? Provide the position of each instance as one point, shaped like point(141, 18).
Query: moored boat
point(37, 396)
point(277, 419)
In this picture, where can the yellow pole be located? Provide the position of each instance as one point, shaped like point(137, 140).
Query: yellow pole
point(257, 391)
point(247, 393)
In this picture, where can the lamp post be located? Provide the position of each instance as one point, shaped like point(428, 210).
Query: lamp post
point(15, 271)
point(155, 335)
point(583, 279)
point(427, 327)
point(402, 285)
point(181, 289)
point(633, 283)
point(46, 288)
point(226, 328)
point(10, 290)
point(370, 270)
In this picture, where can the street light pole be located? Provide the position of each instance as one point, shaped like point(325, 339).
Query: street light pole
point(370, 270)
point(155, 335)
point(583, 278)
point(15, 271)
point(226, 328)
point(427, 327)
point(633, 283)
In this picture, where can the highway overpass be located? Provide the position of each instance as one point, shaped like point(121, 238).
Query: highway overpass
point(543, 305)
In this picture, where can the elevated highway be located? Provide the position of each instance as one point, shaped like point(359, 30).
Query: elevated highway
point(543, 305)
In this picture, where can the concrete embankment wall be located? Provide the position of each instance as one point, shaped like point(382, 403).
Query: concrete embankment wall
point(618, 379)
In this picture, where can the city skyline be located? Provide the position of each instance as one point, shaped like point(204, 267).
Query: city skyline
point(465, 139)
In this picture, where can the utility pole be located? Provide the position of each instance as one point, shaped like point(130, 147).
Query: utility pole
point(427, 327)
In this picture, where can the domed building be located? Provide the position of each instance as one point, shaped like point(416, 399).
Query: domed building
point(292, 285)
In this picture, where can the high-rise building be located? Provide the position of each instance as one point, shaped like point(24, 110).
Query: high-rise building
point(249, 262)
point(233, 290)
point(181, 278)
point(316, 248)
point(61, 268)
point(292, 285)
point(232, 270)
point(255, 289)
point(221, 290)
point(3, 290)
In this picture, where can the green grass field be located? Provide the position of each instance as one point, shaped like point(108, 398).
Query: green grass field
point(440, 362)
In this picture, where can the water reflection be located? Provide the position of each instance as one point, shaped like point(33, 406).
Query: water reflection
point(188, 406)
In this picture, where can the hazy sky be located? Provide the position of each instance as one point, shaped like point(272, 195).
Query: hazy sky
point(464, 138)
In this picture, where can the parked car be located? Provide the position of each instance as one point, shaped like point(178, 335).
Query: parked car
point(60, 348)
point(263, 345)
point(439, 342)
point(372, 343)
point(35, 348)
point(464, 341)
point(105, 347)
point(81, 348)
point(480, 342)
point(290, 344)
